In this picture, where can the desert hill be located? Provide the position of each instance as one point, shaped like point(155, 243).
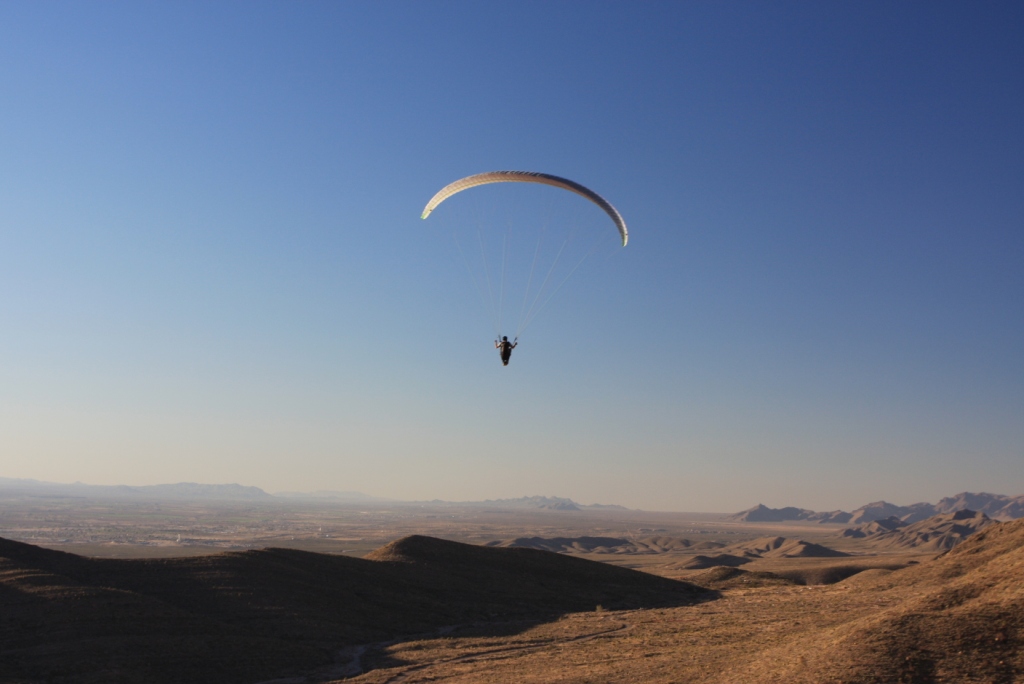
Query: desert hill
point(959, 618)
point(723, 577)
point(727, 560)
point(616, 545)
point(831, 517)
point(765, 547)
point(670, 544)
point(256, 615)
point(781, 547)
point(874, 528)
point(938, 533)
point(570, 544)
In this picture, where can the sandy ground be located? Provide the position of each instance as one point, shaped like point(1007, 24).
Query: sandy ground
point(721, 641)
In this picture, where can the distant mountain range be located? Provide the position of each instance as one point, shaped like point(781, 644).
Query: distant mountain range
point(237, 492)
point(330, 495)
point(181, 490)
point(546, 503)
point(543, 503)
point(995, 506)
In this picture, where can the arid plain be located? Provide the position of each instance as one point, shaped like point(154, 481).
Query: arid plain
point(791, 601)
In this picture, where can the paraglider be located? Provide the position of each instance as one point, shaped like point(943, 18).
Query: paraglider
point(495, 296)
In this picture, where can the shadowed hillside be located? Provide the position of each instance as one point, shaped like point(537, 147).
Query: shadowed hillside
point(702, 562)
point(256, 615)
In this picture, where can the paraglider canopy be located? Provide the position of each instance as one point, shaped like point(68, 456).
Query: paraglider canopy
point(506, 231)
point(528, 177)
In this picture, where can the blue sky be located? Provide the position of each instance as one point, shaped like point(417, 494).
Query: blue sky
point(212, 266)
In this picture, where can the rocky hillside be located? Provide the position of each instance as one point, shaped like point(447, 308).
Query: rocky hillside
point(959, 618)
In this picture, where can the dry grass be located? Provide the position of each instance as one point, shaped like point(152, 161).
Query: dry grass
point(958, 618)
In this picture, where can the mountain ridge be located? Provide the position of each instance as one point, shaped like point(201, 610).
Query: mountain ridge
point(995, 506)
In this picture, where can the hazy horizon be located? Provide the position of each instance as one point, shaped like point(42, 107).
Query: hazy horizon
point(350, 496)
point(213, 268)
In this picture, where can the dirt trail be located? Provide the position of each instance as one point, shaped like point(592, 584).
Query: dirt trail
point(348, 662)
point(504, 652)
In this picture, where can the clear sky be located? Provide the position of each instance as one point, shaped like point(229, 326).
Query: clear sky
point(212, 266)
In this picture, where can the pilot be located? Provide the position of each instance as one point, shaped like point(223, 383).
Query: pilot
point(505, 349)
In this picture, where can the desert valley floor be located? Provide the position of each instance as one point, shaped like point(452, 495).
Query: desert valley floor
point(300, 593)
